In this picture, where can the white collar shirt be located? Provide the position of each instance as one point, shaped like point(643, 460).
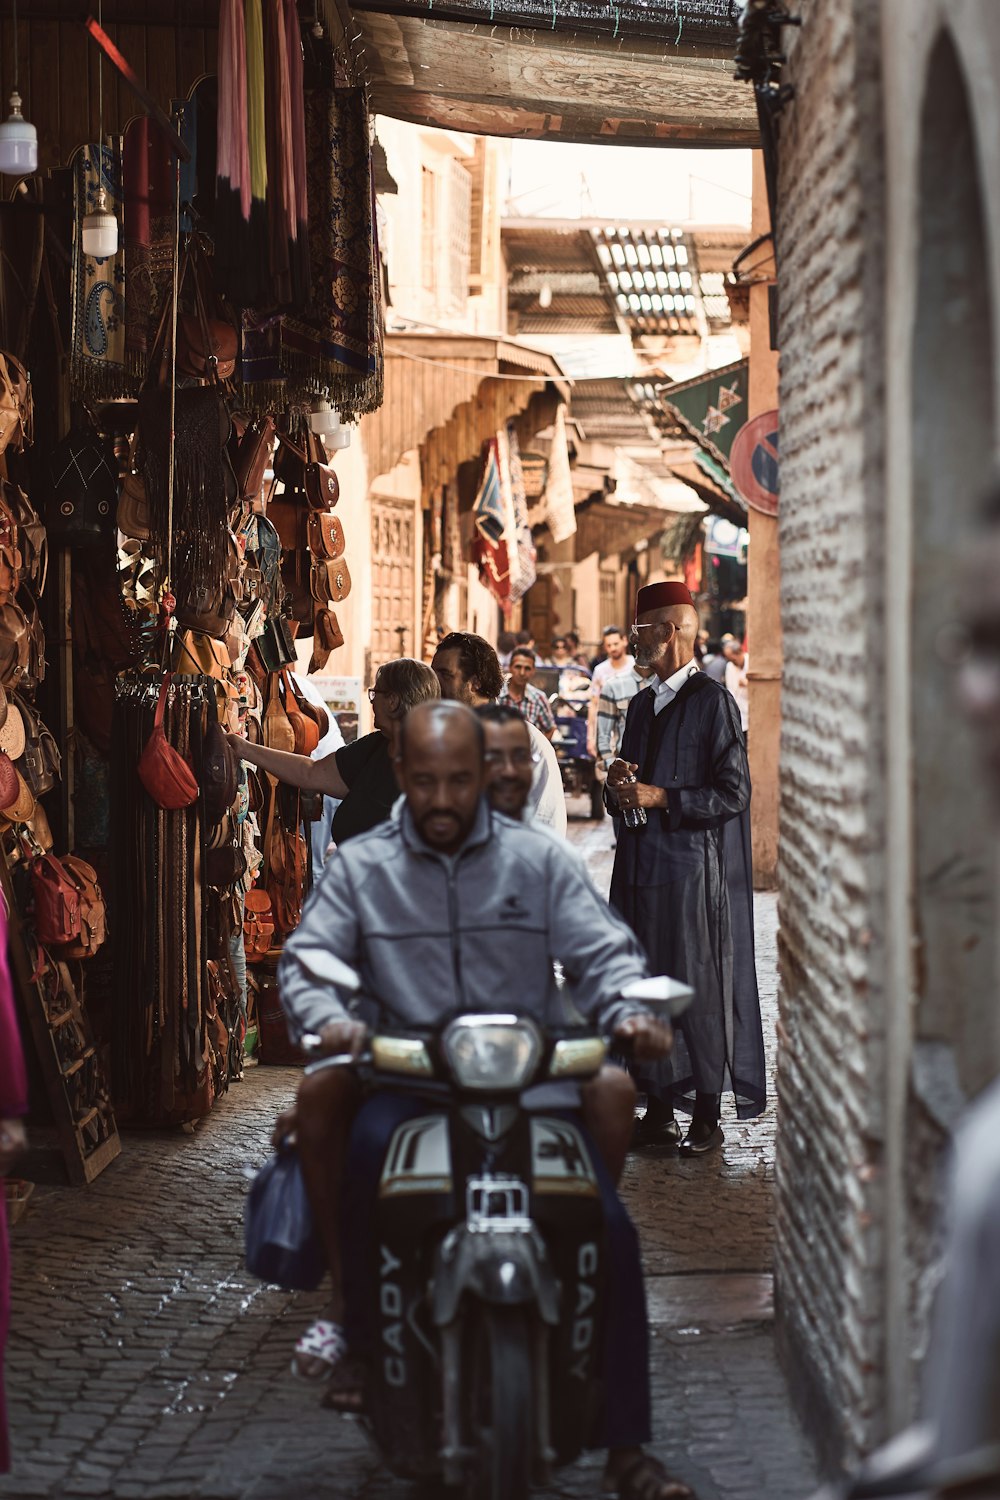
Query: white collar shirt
point(667, 688)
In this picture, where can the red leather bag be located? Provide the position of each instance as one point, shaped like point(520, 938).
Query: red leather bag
point(165, 773)
point(57, 902)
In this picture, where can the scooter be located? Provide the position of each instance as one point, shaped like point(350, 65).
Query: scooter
point(489, 1276)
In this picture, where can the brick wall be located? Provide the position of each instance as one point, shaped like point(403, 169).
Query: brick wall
point(830, 1199)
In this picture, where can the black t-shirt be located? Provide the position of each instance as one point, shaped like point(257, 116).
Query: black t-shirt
point(366, 767)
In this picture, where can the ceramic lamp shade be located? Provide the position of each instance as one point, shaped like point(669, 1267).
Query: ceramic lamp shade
point(18, 142)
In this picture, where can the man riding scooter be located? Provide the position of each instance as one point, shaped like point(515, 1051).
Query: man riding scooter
point(451, 908)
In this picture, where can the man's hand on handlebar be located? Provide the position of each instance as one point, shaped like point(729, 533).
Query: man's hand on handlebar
point(342, 1036)
point(644, 1038)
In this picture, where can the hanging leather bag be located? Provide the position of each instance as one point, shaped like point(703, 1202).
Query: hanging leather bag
point(93, 909)
point(325, 536)
point(32, 537)
point(164, 772)
point(275, 646)
point(133, 508)
point(277, 727)
point(327, 638)
point(330, 582)
point(15, 644)
point(252, 455)
point(81, 491)
point(9, 784)
point(304, 728)
point(57, 902)
point(15, 403)
point(41, 762)
point(218, 772)
point(258, 925)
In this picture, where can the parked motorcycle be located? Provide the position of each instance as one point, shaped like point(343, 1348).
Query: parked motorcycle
point(489, 1278)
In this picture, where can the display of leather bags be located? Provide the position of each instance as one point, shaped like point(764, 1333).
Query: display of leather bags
point(330, 582)
point(277, 727)
point(57, 902)
point(93, 909)
point(166, 775)
point(32, 537)
point(258, 925)
point(209, 608)
point(325, 536)
point(40, 761)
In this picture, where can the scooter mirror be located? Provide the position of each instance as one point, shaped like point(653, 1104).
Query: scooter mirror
point(660, 994)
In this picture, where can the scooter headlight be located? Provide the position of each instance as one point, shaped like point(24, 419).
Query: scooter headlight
point(492, 1052)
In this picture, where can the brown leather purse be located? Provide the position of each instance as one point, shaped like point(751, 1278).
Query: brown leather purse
point(93, 908)
point(327, 637)
point(277, 727)
point(133, 508)
point(15, 644)
point(252, 456)
point(163, 771)
point(330, 582)
point(9, 784)
point(322, 486)
point(258, 925)
point(304, 727)
point(57, 902)
point(326, 536)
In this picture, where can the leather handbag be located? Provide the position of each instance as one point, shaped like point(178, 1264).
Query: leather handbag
point(277, 727)
point(81, 493)
point(24, 808)
point(304, 727)
point(36, 636)
point(93, 909)
point(15, 403)
point(322, 486)
point(224, 867)
point(206, 350)
point(57, 902)
point(325, 536)
point(258, 925)
point(288, 517)
point(41, 761)
point(218, 772)
point(275, 646)
point(133, 508)
point(32, 537)
point(13, 734)
point(327, 638)
point(330, 581)
point(15, 644)
point(252, 455)
point(164, 772)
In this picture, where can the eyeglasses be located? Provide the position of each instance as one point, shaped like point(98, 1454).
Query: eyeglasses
point(373, 693)
point(520, 758)
point(656, 625)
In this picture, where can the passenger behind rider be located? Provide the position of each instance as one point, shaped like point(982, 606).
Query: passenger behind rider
point(380, 908)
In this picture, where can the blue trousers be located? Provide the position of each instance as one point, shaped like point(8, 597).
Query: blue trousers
point(627, 1421)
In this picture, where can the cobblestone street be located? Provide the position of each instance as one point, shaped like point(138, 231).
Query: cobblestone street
point(144, 1362)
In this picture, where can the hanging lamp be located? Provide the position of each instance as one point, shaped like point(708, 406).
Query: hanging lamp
point(322, 417)
point(18, 138)
point(99, 233)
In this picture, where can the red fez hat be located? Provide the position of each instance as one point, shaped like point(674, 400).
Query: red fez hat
point(662, 596)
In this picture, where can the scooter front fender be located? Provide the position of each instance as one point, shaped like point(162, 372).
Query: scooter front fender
point(508, 1269)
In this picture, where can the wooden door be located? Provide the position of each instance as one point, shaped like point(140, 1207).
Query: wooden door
point(394, 565)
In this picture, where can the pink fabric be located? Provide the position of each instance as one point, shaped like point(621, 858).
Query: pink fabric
point(285, 128)
point(13, 1102)
point(233, 143)
point(296, 73)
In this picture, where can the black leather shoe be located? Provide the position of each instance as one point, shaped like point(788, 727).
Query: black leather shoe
point(656, 1133)
point(701, 1139)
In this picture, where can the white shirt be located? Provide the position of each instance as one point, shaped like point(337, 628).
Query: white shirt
point(667, 688)
point(736, 681)
point(606, 669)
point(546, 801)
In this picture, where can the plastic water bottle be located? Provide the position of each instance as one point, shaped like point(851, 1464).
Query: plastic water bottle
point(634, 817)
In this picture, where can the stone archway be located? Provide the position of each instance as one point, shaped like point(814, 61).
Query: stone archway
point(954, 1031)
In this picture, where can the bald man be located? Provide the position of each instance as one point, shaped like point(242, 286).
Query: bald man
point(683, 879)
point(447, 909)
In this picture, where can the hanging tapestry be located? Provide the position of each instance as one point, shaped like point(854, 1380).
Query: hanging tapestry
point(560, 507)
point(527, 570)
point(487, 508)
point(98, 365)
point(338, 343)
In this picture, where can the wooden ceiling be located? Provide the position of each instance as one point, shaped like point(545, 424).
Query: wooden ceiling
point(562, 81)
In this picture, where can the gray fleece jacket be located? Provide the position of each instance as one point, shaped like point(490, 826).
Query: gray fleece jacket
point(434, 935)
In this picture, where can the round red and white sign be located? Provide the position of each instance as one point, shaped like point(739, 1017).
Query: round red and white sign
point(753, 463)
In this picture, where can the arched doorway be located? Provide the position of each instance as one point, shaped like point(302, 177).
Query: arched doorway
point(954, 1025)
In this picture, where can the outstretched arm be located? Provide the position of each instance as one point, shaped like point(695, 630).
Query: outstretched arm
point(294, 770)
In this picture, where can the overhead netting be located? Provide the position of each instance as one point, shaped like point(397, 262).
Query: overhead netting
point(682, 23)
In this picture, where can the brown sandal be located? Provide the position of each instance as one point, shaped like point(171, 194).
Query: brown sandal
point(346, 1386)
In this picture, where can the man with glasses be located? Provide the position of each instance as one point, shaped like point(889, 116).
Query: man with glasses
point(682, 878)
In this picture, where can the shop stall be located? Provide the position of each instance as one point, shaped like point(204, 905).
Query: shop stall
point(190, 322)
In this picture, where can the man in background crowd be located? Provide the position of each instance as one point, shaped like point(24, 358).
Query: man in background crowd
point(616, 660)
point(528, 700)
point(506, 641)
point(467, 668)
point(737, 672)
point(715, 662)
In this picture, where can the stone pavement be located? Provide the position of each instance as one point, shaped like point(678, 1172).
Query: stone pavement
point(144, 1362)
